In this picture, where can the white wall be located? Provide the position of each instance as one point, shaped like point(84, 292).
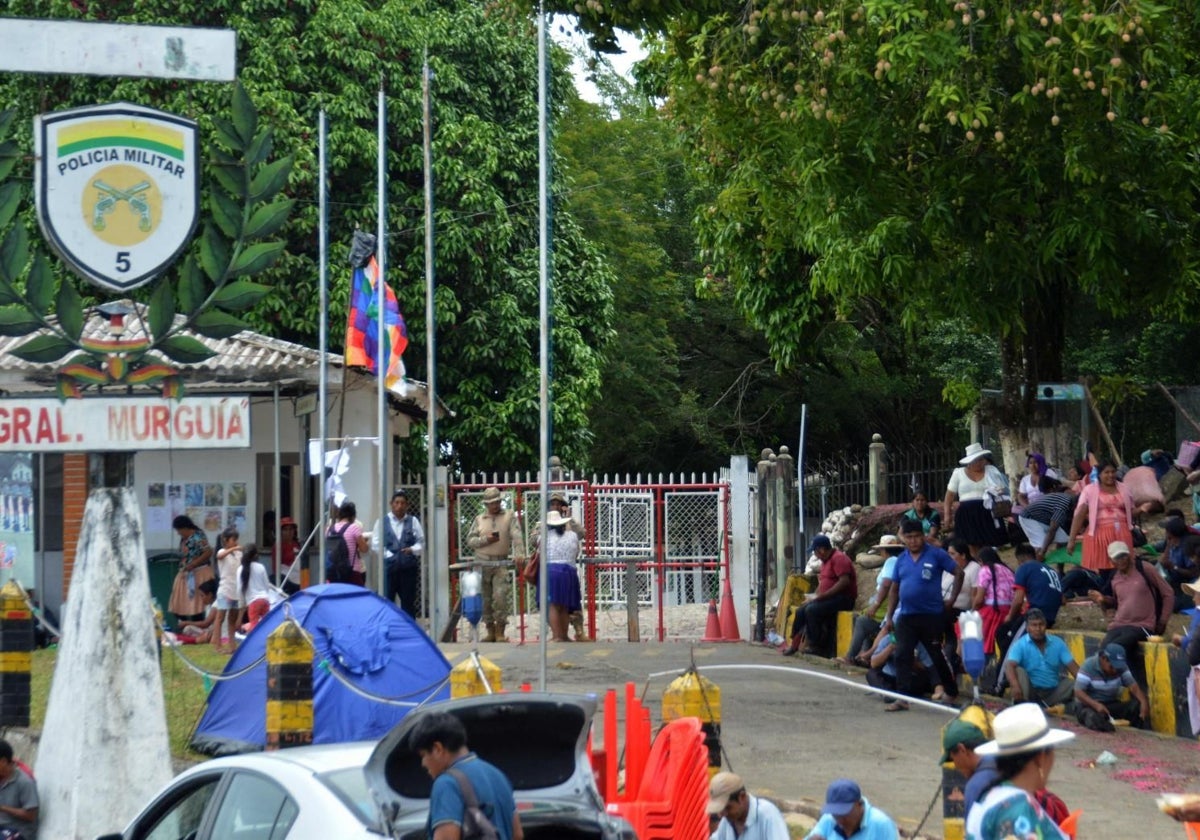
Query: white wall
point(237, 466)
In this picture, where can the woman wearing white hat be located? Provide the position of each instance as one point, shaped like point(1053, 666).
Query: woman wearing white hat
point(969, 485)
point(1024, 750)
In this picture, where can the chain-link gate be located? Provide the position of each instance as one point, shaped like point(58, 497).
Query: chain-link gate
point(678, 535)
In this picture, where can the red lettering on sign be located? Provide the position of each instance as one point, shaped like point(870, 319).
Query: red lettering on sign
point(235, 423)
point(205, 431)
point(118, 423)
point(20, 428)
point(160, 428)
point(5, 429)
point(62, 435)
point(45, 433)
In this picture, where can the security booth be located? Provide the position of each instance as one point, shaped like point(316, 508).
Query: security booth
point(233, 448)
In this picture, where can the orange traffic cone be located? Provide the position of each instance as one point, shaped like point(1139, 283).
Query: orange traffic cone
point(729, 625)
point(712, 631)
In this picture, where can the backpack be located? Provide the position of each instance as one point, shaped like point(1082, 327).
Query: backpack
point(1158, 598)
point(475, 825)
point(337, 558)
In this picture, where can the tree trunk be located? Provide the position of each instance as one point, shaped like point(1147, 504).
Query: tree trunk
point(1028, 359)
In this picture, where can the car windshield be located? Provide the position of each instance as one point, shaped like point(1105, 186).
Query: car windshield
point(350, 784)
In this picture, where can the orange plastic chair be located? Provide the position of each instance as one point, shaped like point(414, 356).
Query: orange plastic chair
point(1070, 823)
point(1193, 830)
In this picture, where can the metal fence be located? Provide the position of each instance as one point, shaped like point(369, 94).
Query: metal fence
point(676, 529)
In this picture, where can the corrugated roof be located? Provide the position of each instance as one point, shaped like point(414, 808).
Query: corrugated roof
point(246, 362)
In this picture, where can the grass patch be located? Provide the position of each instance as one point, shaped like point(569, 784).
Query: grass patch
point(183, 690)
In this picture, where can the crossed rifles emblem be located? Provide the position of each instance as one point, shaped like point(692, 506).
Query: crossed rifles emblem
point(110, 196)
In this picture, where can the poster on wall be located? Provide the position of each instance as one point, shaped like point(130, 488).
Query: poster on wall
point(212, 505)
point(17, 518)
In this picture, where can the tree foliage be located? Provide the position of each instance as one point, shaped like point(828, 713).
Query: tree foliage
point(949, 159)
point(297, 57)
point(687, 380)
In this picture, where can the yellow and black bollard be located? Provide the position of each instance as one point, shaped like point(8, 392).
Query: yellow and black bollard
point(16, 655)
point(474, 676)
point(692, 695)
point(289, 687)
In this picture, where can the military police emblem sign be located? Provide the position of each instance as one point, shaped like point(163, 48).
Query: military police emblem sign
point(117, 190)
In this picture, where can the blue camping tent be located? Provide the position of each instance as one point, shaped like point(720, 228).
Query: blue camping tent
point(373, 644)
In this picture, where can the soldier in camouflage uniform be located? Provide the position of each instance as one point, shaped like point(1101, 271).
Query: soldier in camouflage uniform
point(493, 535)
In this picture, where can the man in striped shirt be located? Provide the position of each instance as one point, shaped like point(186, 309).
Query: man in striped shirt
point(1045, 519)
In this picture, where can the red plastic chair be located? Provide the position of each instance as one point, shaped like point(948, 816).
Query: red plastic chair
point(1070, 823)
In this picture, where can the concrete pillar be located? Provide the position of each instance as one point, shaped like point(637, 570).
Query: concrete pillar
point(785, 514)
point(877, 466)
point(762, 562)
point(106, 700)
point(741, 564)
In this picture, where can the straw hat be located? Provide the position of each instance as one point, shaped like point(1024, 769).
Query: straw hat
point(974, 451)
point(1022, 729)
point(492, 494)
point(888, 541)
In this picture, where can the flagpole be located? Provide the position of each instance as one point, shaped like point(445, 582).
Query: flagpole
point(431, 528)
point(544, 336)
point(382, 356)
point(323, 345)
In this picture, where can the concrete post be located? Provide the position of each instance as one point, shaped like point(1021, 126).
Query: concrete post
point(762, 561)
point(877, 466)
point(439, 518)
point(785, 515)
point(741, 564)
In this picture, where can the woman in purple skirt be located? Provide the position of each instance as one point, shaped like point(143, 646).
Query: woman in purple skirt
point(563, 594)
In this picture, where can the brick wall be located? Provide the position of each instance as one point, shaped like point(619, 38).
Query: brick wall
point(75, 493)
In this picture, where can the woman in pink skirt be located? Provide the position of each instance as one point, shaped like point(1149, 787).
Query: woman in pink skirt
point(1106, 508)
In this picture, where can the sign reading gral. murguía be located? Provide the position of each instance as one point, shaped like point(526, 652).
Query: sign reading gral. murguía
point(117, 190)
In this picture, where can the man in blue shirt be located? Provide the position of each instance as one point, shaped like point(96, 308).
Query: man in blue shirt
point(1035, 665)
point(1097, 691)
point(918, 584)
point(441, 741)
point(848, 814)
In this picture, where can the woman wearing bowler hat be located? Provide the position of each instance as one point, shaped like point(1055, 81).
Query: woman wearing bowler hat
point(1024, 749)
point(970, 485)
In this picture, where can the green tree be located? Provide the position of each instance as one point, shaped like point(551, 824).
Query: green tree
point(992, 164)
point(297, 57)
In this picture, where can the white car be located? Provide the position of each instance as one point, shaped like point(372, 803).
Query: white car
point(340, 790)
point(539, 741)
point(303, 792)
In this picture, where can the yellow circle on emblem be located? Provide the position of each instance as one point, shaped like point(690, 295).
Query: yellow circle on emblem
point(122, 204)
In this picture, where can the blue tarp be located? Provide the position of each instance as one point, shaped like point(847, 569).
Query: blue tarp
point(373, 644)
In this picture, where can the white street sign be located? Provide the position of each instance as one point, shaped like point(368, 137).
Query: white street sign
point(124, 424)
point(117, 49)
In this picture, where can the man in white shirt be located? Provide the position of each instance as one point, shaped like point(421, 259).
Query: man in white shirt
point(403, 541)
point(743, 817)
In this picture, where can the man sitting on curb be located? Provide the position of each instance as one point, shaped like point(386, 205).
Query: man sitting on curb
point(1097, 690)
point(742, 815)
point(847, 814)
point(1144, 602)
point(1036, 663)
point(959, 741)
point(837, 590)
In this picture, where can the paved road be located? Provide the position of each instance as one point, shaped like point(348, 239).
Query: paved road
point(789, 733)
